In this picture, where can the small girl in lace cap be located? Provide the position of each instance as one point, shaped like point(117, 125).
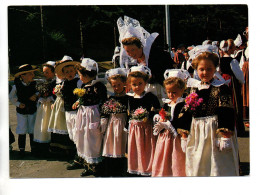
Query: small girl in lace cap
point(169, 158)
point(211, 147)
point(88, 136)
point(142, 107)
point(113, 121)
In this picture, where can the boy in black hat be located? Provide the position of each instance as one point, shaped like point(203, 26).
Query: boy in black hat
point(24, 96)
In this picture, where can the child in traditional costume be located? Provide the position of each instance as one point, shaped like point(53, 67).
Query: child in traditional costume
point(142, 107)
point(24, 96)
point(88, 135)
point(208, 120)
point(169, 158)
point(41, 135)
point(114, 120)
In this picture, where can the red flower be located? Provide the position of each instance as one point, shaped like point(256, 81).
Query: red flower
point(162, 113)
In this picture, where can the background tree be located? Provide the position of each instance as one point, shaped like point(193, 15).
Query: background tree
point(91, 31)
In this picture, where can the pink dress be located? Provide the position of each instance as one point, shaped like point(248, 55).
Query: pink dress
point(141, 141)
point(141, 147)
point(169, 159)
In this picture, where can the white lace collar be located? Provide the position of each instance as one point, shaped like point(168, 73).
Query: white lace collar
point(197, 84)
point(133, 94)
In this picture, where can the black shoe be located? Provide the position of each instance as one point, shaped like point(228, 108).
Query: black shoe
point(21, 153)
point(86, 172)
point(74, 165)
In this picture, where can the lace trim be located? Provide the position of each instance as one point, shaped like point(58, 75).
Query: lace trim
point(91, 160)
point(114, 156)
point(139, 173)
point(181, 131)
point(64, 132)
point(224, 130)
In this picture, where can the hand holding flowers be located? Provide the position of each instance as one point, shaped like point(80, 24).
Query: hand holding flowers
point(192, 101)
point(140, 114)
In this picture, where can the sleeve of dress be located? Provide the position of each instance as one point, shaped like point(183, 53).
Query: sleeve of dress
point(13, 97)
point(101, 92)
point(181, 119)
point(225, 110)
point(155, 105)
point(237, 71)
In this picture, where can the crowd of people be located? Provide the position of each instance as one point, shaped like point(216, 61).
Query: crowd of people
point(168, 115)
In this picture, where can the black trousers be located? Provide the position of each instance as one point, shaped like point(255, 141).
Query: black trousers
point(22, 142)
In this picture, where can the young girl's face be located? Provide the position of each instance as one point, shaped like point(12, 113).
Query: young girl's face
point(84, 79)
point(48, 74)
point(206, 70)
point(118, 85)
point(137, 85)
point(69, 72)
point(27, 77)
point(173, 92)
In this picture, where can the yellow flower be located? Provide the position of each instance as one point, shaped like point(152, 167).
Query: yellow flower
point(79, 92)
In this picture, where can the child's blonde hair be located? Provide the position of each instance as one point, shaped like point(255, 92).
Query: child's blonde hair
point(205, 56)
point(176, 81)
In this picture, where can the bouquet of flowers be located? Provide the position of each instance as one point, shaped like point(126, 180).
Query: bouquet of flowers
point(44, 89)
point(57, 89)
point(80, 93)
point(140, 114)
point(164, 115)
point(192, 101)
point(112, 107)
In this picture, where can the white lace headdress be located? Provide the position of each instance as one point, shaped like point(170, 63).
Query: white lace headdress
point(223, 47)
point(195, 52)
point(182, 74)
point(89, 64)
point(140, 68)
point(130, 27)
point(116, 71)
point(238, 41)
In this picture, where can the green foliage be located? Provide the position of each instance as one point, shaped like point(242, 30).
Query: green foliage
point(32, 40)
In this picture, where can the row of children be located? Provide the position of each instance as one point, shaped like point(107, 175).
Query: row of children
point(193, 135)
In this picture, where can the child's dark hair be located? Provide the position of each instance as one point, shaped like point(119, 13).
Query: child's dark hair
point(205, 56)
point(49, 66)
point(117, 76)
point(137, 74)
point(85, 72)
point(132, 41)
point(175, 81)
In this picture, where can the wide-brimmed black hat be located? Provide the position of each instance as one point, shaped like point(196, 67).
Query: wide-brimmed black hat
point(24, 69)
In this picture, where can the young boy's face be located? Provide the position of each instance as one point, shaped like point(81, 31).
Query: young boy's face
point(27, 77)
point(69, 72)
point(117, 85)
point(48, 74)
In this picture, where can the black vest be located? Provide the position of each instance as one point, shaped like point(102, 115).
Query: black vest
point(23, 94)
point(67, 92)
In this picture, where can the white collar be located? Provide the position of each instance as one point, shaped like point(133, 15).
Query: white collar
point(168, 101)
point(197, 84)
point(133, 94)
